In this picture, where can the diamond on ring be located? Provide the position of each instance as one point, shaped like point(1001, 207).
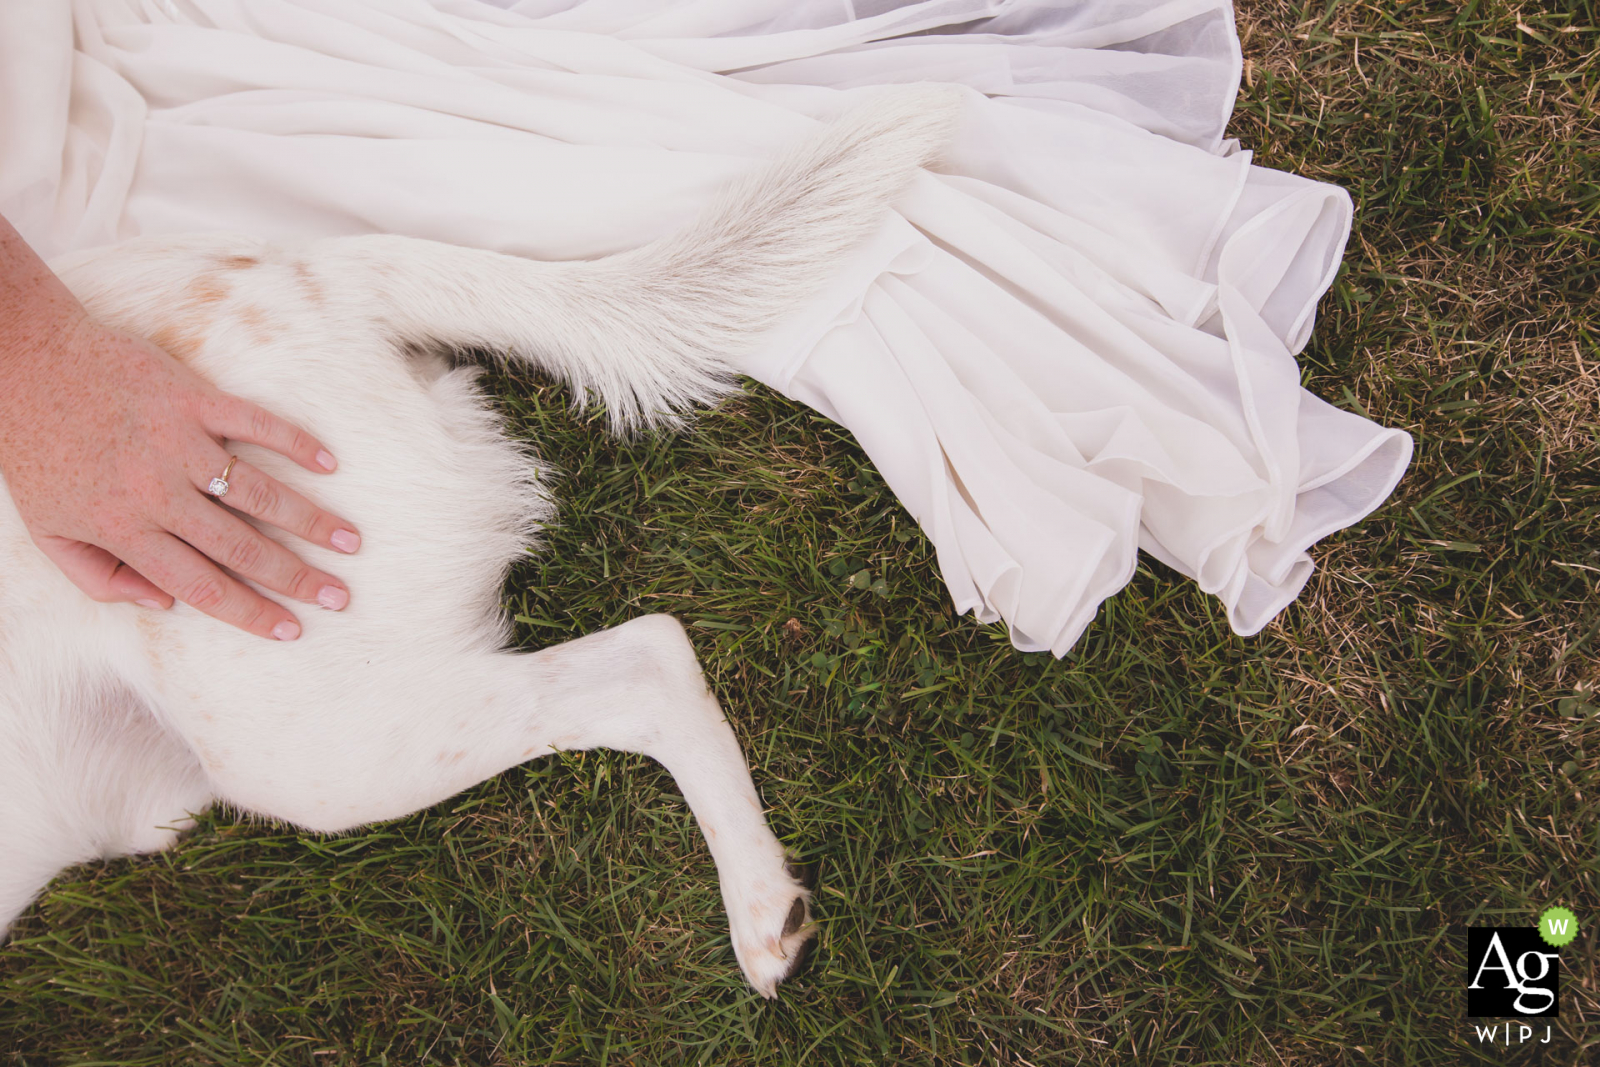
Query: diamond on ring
point(219, 485)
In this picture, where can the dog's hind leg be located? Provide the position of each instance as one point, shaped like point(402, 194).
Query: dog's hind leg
point(445, 723)
point(639, 688)
point(86, 772)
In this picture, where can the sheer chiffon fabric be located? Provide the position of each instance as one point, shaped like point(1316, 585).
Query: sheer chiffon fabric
point(1074, 341)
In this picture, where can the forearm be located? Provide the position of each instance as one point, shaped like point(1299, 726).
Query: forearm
point(36, 308)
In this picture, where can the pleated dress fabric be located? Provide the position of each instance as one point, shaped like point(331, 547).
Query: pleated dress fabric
point(1073, 340)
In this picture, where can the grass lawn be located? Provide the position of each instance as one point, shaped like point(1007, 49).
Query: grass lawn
point(1174, 847)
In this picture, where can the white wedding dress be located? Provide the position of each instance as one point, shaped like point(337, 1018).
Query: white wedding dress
point(1074, 341)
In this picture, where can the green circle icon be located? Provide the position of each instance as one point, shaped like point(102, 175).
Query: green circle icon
point(1558, 926)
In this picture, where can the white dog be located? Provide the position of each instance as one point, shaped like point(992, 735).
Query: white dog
point(117, 722)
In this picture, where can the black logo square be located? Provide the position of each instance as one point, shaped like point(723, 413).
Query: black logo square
point(1511, 973)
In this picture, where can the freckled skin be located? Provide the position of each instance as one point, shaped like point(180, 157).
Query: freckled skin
point(107, 441)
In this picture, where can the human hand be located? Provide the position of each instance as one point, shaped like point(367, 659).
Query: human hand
point(107, 449)
point(107, 444)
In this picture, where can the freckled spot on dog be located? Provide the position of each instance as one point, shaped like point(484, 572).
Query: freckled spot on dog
point(147, 626)
point(182, 338)
point(450, 759)
point(208, 289)
point(309, 286)
point(255, 321)
point(239, 262)
point(150, 629)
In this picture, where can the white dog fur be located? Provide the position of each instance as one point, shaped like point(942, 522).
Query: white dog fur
point(117, 722)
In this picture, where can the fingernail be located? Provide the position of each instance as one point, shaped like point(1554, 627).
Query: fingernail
point(325, 458)
point(149, 604)
point(332, 597)
point(287, 630)
point(345, 540)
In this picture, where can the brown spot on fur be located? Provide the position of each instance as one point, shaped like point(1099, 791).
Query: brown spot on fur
point(208, 289)
point(188, 320)
point(255, 320)
point(239, 262)
point(159, 643)
point(151, 632)
point(308, 284)
point(183, 337)
point(451, 759)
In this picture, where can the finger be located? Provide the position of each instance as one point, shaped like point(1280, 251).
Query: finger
point(249, 553)
point(265, 498)
point(101, 575)
point(195, 580)
point(240, 420)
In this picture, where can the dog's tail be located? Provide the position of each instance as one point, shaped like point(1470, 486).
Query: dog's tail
point(652, 331)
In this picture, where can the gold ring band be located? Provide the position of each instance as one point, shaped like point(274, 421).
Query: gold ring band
point(219, 485)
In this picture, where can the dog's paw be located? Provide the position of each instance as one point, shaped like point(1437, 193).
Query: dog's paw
point(772, 930)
